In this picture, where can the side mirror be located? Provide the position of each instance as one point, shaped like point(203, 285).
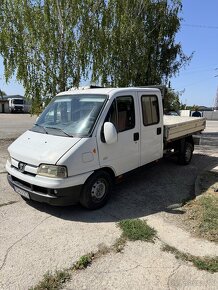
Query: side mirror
point(110, 133)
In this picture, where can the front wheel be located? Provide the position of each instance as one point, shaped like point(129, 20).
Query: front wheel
point(96, 190)
point(185, 154)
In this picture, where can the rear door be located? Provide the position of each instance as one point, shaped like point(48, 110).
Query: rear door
point(151, 131)
point(123, 155)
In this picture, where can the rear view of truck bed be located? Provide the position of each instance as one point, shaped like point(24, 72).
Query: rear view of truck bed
point(177, 127)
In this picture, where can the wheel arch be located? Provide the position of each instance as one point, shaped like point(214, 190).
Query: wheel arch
point(109, 170)
point(190, 140)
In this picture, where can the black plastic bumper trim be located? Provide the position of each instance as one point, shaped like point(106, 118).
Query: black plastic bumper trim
point(62, 196)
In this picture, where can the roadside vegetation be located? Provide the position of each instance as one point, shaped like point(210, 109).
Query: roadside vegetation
point(202, 213)
point(202, 263)
point(53, 281)
point(137, 229)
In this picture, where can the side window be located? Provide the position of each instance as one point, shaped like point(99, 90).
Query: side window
point(150, 110)
point(122, 113)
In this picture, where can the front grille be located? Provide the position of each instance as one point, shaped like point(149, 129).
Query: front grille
point(32, 187)
point(25, 172)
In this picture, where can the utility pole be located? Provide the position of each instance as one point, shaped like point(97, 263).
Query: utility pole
point(215, 106)
point(216, 101)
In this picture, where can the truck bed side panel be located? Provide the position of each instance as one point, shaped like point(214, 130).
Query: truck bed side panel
point(176, 127)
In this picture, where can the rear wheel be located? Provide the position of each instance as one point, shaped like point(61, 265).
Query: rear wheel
point(185, 153)
point(96, 190)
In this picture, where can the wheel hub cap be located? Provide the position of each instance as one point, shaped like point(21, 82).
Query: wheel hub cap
point(98, 189)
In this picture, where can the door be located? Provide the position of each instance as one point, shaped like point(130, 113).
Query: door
point(151, 141)
point(123, 155)
point(3, 108)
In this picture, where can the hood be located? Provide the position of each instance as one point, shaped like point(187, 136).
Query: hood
point(35, 148)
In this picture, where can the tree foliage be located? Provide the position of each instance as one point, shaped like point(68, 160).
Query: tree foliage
point(2, 93)
point(53, 44)
point(171, 100)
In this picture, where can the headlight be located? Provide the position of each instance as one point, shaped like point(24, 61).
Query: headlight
point(52, 170)
point(9, 158)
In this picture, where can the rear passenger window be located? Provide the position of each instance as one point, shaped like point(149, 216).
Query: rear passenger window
point(150, 110)
point(122, 113)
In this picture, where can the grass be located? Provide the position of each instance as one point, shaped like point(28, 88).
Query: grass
point(83, 262)
point(53, 281)
point(136, 229)
point(202, 213)
point(209, 221)
point(202, 263)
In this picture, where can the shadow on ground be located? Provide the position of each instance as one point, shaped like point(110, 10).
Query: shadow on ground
point(162, 186)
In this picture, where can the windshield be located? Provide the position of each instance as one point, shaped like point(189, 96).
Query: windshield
point(71, 115)
point(18, 102)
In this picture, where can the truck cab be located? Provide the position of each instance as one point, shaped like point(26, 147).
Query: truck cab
point(16, 105)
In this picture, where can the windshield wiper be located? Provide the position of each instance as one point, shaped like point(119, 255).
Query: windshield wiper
point(40, 126)
point(59, 129)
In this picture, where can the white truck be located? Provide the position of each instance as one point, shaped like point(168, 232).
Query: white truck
point(86, 139)
point(16, 105)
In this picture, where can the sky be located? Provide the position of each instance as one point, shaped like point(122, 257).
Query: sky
point(198, 34)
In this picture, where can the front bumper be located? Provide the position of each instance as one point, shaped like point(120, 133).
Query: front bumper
point(59, 196)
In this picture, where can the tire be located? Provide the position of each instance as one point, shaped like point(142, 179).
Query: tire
point(96, 190)
point(185, 153)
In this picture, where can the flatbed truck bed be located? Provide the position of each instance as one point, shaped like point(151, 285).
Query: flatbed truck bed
point(176, 127)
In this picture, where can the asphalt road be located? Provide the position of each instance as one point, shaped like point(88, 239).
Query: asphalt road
point(211, 126)
point(13, 125)
point(36, 238)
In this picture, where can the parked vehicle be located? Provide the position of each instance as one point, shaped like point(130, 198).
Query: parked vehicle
point(16, 105)
point(171, 113)
point(86, 139)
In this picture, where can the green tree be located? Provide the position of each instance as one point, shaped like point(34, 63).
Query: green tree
point(53, 44)
point(135, 43)
point(39, 43)
point(2, 94)
point(171, 100)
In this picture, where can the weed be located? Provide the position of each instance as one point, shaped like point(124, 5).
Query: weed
point(53, 281)
point(119, 244)
point(210, 265)
point(83, 262)
point(202, 263)
point(137, 229)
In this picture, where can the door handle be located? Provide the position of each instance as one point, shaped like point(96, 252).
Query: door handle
point(136, 136)
point(159, 131)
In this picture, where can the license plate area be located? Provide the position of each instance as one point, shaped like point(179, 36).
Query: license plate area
point(22, 192)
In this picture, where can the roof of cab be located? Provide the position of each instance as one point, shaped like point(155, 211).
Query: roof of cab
point(105, 91)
